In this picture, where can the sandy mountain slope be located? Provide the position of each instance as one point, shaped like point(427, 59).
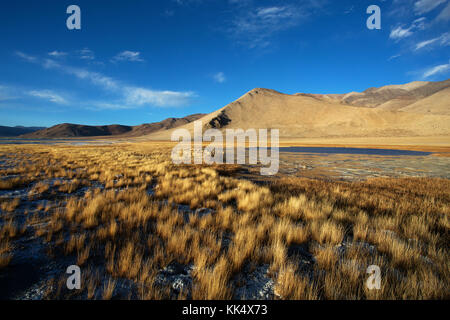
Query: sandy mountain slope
point(391, 97)
point(300, 116)
point(438, 103)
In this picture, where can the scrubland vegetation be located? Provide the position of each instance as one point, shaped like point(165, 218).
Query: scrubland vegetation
point(125, 212)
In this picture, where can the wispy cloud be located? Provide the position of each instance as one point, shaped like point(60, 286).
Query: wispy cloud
point(83, 74)
point(57, 54)
point(401, 32)
point(187, 2)
point(394, 57)
point(86, 54)
point(219, 77)
point(443, 40)
point(254, 27)
point(349, 10)
point(142, 96)
point(424, 6)
point(102, 105)
point(48, 95)
point(134, 56)
point(443, 68)
point(240, 2)
point(128, 96)
point(26, 56)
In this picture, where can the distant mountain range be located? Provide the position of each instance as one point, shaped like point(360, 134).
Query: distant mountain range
point(17, 131)
point(410, 110)
point(416, 109)
point(69, 130)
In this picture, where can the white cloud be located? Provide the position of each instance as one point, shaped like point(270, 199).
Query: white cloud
point(26, 56)
point(142, 96)
point(424, 6)
point(48, 95)
point(443, 40)
point(349, 10)
point(129, 96)
point(188, 2)
point(100, 105)
point(86, 54)
point(56, 53)
point(126, 55)
point(436, 70)
point(220, 77)
point(394, 57)
point(255, 26)
point(401, 32)
point(425, 43)
point(94, 77)
point(240, 2)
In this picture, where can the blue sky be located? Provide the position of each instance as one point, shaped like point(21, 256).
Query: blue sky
point(139, 61)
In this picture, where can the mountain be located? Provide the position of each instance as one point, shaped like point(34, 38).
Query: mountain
point(391, 97)
point(69, 130)
point(437, 103)
point(166, 124)
point(17, 131)
point(416, 109)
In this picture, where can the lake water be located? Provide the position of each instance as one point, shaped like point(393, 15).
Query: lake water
point(338, 163)
point(364, 151)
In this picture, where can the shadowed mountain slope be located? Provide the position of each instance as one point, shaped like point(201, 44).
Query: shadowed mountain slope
point(68, 130)
point(17, 131)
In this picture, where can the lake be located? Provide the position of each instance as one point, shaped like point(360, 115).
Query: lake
point(364, 151)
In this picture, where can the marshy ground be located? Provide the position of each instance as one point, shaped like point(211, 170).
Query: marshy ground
point(141, 227)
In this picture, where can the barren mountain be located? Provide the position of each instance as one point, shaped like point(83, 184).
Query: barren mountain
point(311, 116)
point(166, 124)
point(391, 97)
point(17, 131)
point(438, 103)
point(68, 130)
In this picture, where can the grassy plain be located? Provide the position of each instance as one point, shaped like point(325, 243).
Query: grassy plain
point(125, 212)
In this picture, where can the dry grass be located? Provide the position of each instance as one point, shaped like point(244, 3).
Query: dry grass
point(290, 285)
point(5, 255)
point(10, 206)
point(129, 224)
point(108, 289)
